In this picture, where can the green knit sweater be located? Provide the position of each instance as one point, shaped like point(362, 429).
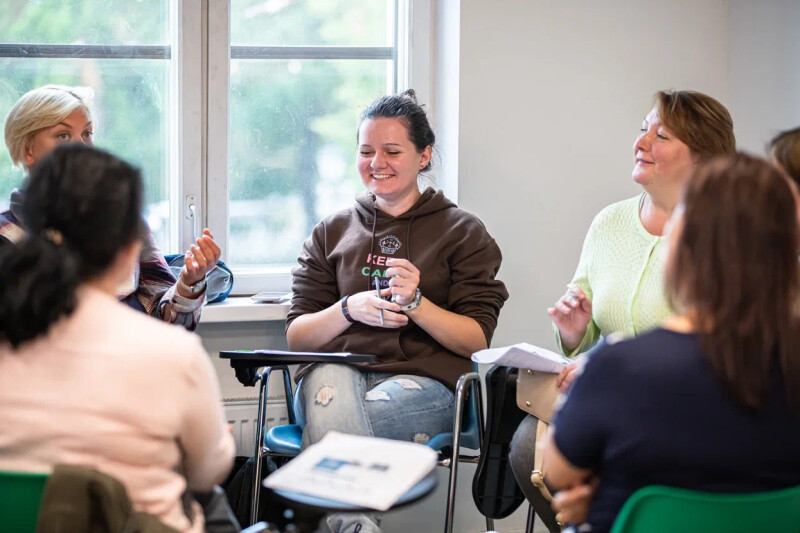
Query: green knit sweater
point(621, 270)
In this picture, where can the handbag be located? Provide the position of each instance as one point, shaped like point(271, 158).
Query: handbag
point(537, 394)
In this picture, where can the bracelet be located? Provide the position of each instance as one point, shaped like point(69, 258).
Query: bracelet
point(345, 312)
point(415, 303)
point(192, 289)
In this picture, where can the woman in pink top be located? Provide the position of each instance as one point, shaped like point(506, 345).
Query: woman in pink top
point(85, 379)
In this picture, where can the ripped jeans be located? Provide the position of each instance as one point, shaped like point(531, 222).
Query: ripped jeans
point(334, 397)
point(400, 407)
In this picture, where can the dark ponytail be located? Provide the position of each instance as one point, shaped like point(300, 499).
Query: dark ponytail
point(405, 108)
point(82, 206)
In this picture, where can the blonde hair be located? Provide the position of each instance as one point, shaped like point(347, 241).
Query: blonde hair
point(701, 122)
point(39, 109)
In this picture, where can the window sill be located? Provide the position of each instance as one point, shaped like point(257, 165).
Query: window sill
point(243, 309)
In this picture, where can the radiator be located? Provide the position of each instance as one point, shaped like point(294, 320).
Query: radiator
point(242, 414)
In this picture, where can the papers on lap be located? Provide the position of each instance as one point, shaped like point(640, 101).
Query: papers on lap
point(362, 471)
point(522, 355)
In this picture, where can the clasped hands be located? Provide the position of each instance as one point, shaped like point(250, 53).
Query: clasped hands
point(366, 306)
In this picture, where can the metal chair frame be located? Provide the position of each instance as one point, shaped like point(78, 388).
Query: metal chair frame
point(464, 381)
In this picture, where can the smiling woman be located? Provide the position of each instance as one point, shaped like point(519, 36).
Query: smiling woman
point(439, 300)
point(618, 285)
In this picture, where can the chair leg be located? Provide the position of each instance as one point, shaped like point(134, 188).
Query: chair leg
point(451, 487)
point(477, 390)
point(531, 519)
point(287, 385)
point(263, 397)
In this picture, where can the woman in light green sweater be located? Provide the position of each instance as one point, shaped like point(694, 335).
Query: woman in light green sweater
point(618, 287)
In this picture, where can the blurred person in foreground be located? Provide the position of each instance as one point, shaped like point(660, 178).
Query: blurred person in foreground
point(711, 400)
point(84, 379)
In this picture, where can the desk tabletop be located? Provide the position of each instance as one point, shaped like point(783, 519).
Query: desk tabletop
point(279, 357)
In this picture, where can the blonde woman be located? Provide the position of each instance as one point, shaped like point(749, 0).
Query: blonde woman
point(49, 116)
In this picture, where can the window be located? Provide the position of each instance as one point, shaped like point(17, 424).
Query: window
point(125, 56)
point(300, 73)
point(241, 114)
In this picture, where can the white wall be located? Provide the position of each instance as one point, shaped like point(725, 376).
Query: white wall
point(552, 94)
point(764, 69)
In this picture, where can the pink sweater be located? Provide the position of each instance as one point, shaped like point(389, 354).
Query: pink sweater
point(114, 389)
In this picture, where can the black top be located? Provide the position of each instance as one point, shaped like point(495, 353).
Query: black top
point(650, 411)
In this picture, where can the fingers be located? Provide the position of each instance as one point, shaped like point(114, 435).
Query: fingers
point(190, 272)
point(380, 303)
point(391, 320)
point(401, 264)
point(403, 280)
point(562, 376)
point(366, 307)
point(568, 380)
point(201, 258)
point(572, 505)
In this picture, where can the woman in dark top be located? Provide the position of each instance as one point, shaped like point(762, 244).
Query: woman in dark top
point(711, 401)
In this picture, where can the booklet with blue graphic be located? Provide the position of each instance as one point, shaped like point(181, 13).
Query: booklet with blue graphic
point(366, 472)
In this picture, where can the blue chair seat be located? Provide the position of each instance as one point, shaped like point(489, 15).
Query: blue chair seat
point(284, 439)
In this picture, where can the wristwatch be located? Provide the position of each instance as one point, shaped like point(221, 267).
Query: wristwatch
point(415, 303)
point(192, 289)
point(345, 311)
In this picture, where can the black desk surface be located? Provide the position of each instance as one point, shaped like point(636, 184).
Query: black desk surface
point(278, 357)
point(246, 362)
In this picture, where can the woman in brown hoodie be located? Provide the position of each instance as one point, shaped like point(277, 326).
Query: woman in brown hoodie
point(435, 265)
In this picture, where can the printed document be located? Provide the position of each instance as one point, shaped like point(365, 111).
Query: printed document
point(522, 355)
point(363, 471)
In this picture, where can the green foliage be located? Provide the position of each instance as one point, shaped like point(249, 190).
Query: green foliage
point(287, 116)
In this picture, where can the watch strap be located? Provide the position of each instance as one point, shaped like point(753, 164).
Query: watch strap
point(192, 289)
point(345, 312)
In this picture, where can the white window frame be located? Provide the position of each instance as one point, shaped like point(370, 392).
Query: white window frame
point(414, 36)
point(198, 151)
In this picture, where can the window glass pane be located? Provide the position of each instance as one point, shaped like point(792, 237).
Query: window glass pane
point(293, 148)
point(132, 97)
point(120, 22)
point(312, 22)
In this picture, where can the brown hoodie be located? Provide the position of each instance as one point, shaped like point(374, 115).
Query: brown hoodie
point(457, 260)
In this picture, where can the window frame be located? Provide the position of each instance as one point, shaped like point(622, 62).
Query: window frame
point(199, 122)
point(412, 39)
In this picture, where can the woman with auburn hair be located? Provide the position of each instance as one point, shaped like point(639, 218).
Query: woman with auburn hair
point(711, 400)
point(49, 116)
point(618, 284)
point(784, 151)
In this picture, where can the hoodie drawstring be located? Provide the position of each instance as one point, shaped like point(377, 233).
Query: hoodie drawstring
point(372, 242)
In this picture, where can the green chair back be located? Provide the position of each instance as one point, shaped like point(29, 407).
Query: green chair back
point(658, 509)
point(20, 497)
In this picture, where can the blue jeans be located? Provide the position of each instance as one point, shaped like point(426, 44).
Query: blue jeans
point(336, 397)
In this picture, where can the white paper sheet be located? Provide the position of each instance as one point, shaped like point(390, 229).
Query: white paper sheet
point(522, 355)
point(363, 471)
point(284, 352)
